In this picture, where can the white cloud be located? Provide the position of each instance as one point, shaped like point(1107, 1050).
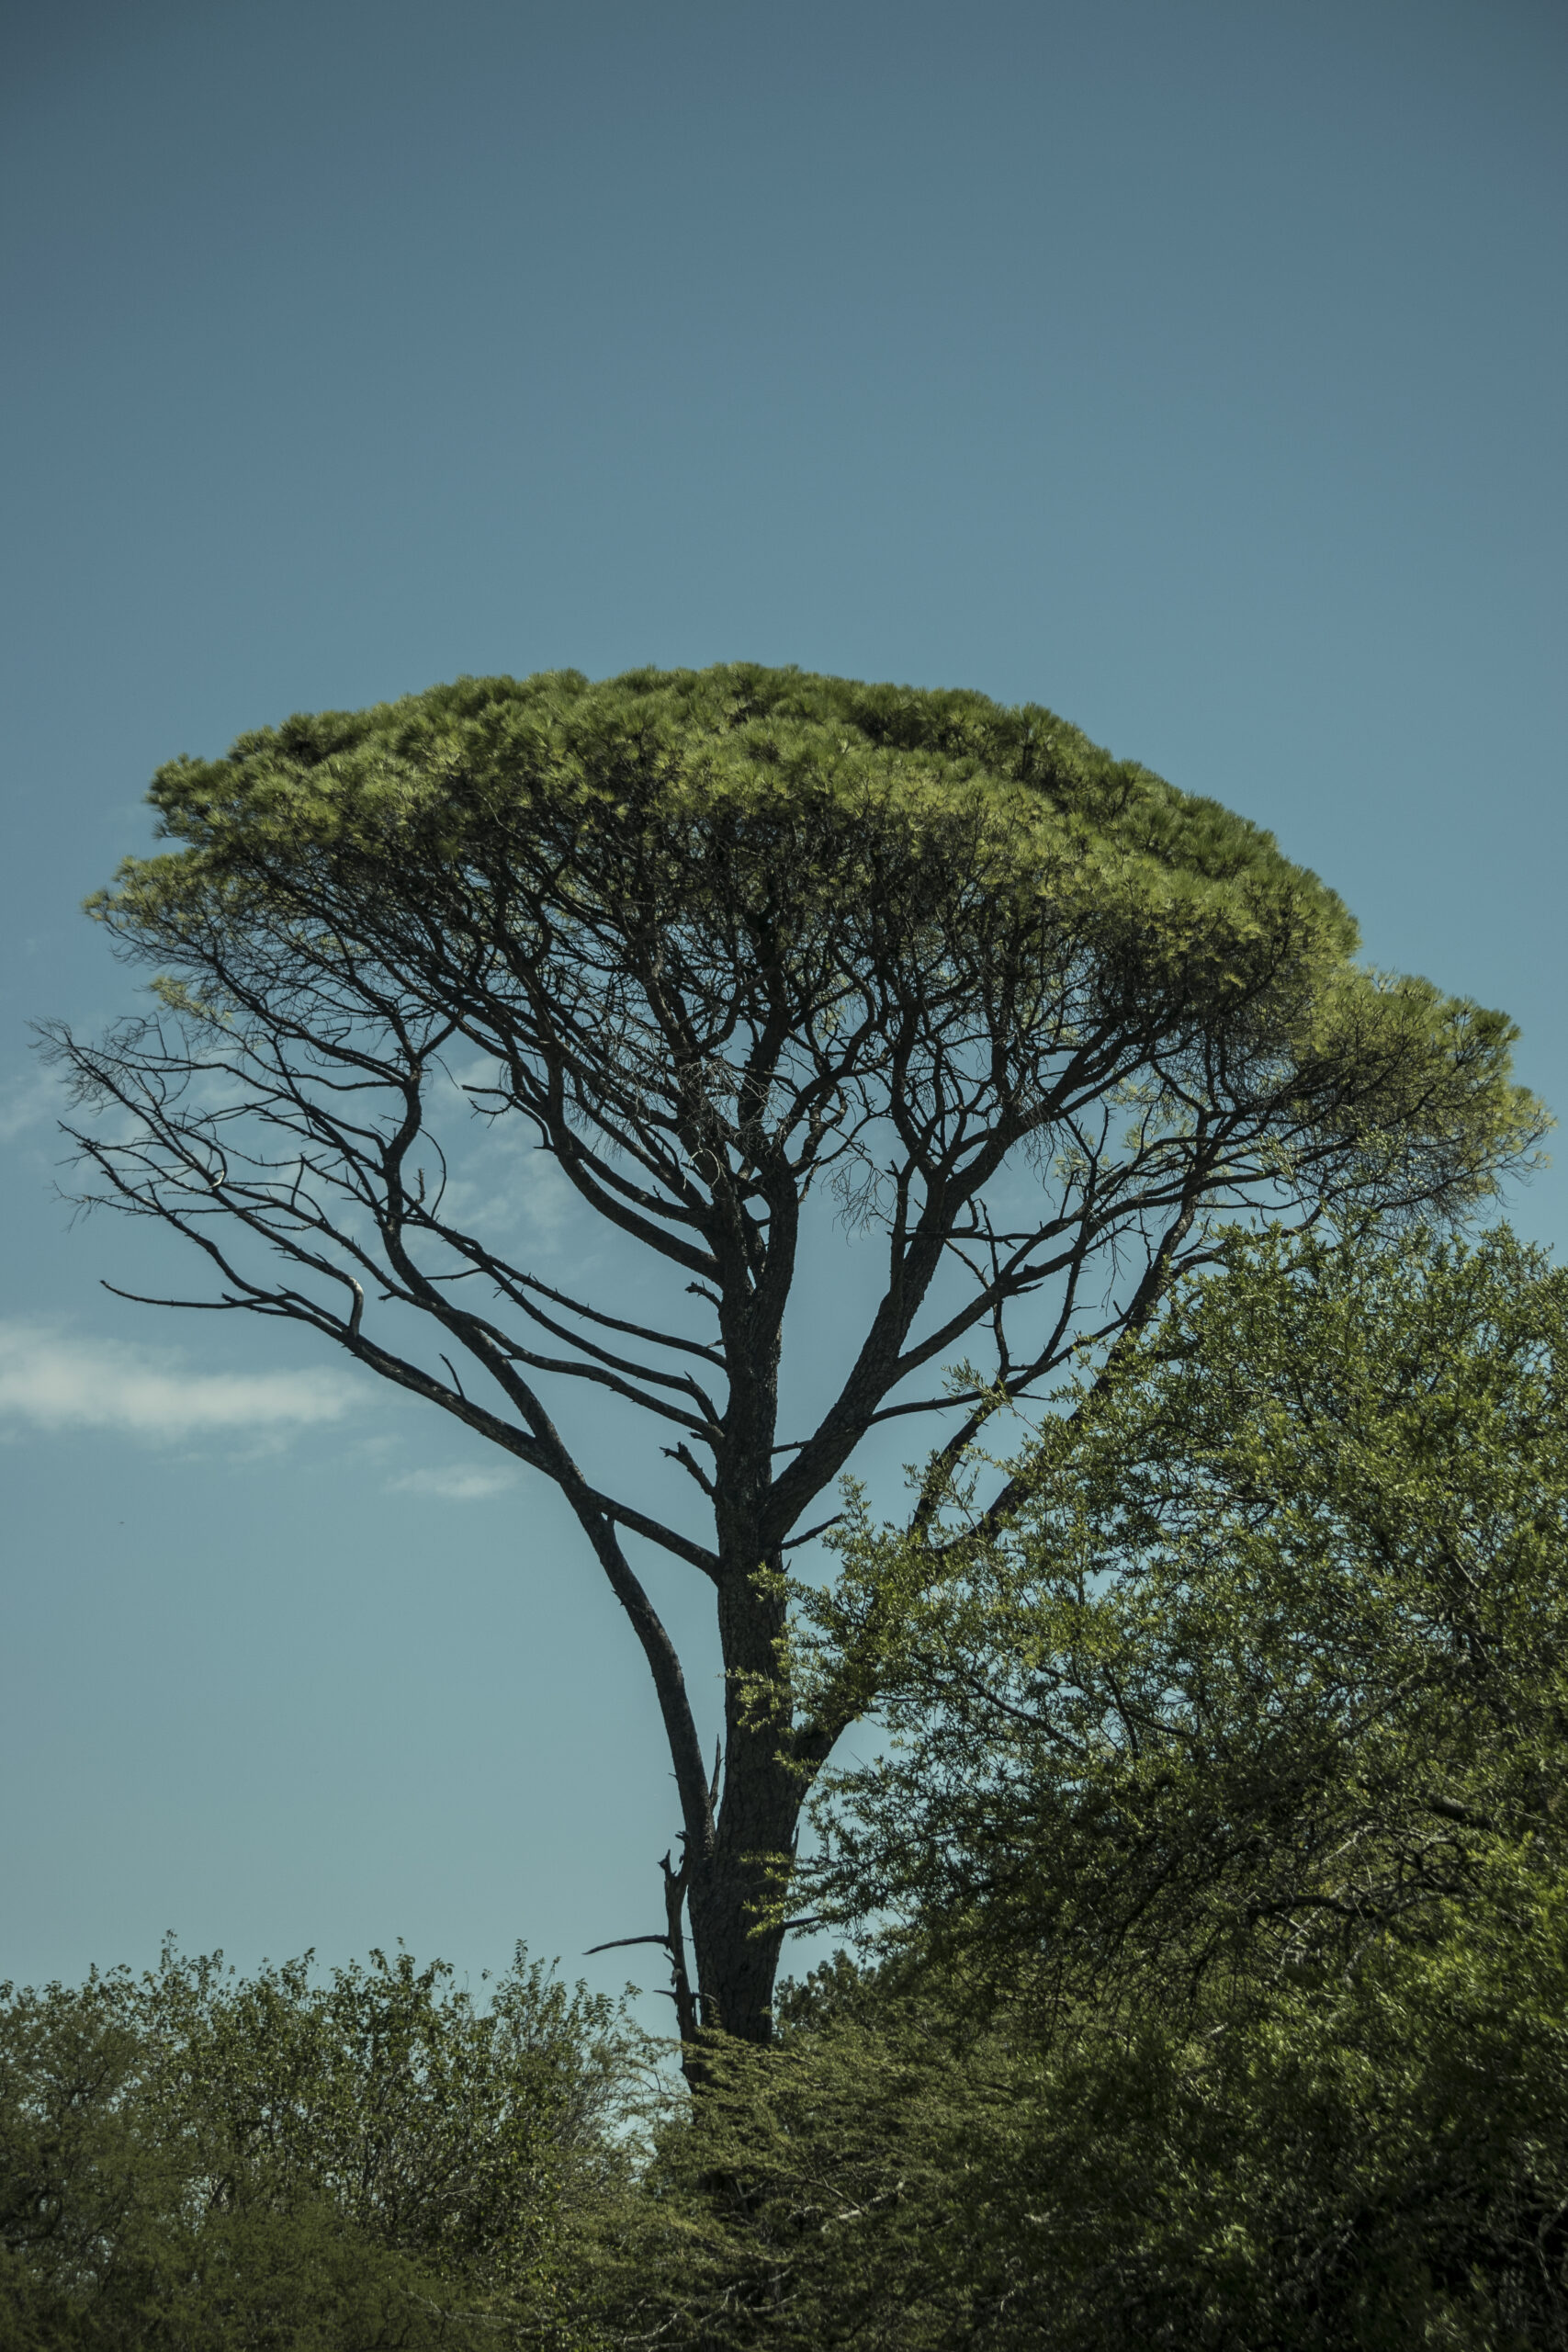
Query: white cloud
point(59, 1383)
point(455, 1485)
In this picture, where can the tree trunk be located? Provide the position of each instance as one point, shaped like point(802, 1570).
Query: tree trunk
point(736, 1964)
point(735, 1879)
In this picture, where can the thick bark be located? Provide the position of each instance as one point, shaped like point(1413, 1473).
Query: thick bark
point(732, 1881)
point(737, 1964)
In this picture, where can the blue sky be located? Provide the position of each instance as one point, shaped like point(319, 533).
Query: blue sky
point(1196, 369)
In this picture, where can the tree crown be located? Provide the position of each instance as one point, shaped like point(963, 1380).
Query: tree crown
point(828, 878)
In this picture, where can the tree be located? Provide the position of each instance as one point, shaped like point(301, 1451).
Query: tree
point(1271, 1656)
point(1218, 1867)
point(722, 938)
point(193, 2159)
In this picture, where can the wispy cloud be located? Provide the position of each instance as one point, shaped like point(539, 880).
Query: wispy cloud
point(511, 1183)
point(455, 1485)
point(57, 1382)
point(28, 1100)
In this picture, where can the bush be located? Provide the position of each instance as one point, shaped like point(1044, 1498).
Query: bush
point(191, 2161)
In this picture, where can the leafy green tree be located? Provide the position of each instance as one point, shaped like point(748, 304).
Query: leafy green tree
point(191, 2161)
point(1218, 1867)
point(1272, 1653)
point(721, 938)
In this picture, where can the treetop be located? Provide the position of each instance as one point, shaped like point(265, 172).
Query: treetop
point(738, 740)
point(768, 835)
